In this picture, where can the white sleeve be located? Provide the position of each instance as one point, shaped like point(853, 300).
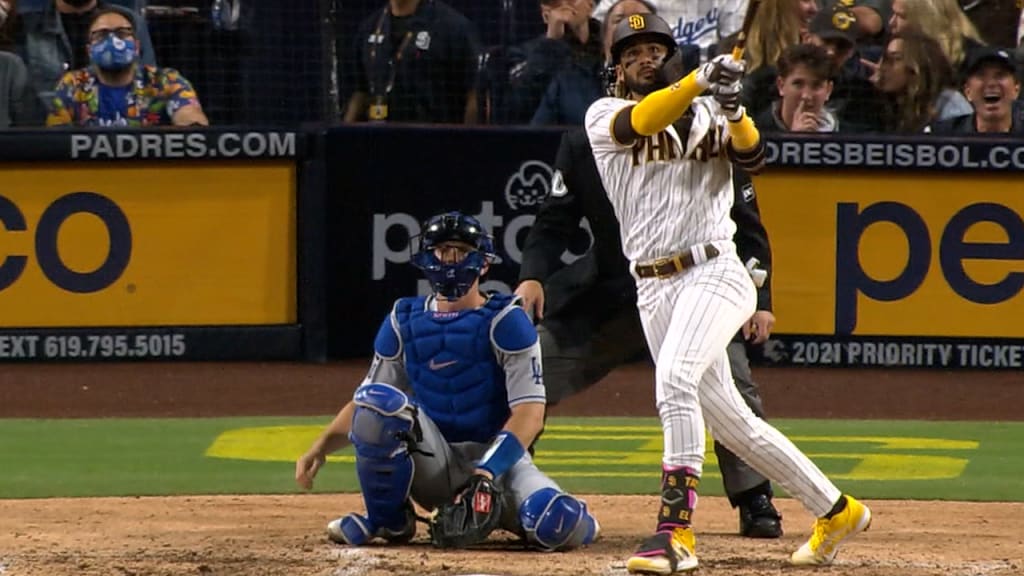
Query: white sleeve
point(600, 117)
point(730, 17)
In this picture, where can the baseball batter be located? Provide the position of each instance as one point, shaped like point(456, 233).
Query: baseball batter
point(588, 323)
point(663, 152)
point(452, 400)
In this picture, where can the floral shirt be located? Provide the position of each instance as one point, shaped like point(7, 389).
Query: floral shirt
point(150, 100)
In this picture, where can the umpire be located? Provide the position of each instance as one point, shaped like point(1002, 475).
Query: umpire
point(588, 320)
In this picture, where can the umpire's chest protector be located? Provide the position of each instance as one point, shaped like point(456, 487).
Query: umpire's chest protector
point(455, 376)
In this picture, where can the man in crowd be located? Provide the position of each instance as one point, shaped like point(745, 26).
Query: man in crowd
point(853, 100)
point(572, 40)
point(116, 89)
point(574, 89)
point(805, 85)
point(414, 61)
point(991, 87)
point(871, 17)
point(56, 40)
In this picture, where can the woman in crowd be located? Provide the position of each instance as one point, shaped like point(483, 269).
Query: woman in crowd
point(916, 81)
point(779, 25)
point(942, 20)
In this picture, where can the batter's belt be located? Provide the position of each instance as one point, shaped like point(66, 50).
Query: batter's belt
point(664, 267)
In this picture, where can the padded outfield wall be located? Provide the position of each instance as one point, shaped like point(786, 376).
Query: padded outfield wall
point(271, 245)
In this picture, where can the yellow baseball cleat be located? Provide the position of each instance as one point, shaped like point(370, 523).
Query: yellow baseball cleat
point(829, 533)
point(667, 552)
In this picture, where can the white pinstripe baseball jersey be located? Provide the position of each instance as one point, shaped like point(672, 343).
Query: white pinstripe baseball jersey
point(668, 194)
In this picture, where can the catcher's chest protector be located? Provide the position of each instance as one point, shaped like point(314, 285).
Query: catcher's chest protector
point(455, 377)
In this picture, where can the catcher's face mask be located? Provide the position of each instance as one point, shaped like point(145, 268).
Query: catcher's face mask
point(455, 251)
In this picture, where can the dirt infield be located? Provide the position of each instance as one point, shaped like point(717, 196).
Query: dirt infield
point(263, 535)
point(281, 535)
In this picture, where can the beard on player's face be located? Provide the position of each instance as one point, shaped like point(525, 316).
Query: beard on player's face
point(642, 80)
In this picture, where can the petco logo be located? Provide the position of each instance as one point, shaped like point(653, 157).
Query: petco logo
point(392, 233)
point(529, 186)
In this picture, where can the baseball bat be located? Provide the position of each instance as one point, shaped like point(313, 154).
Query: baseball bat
point(748, 21)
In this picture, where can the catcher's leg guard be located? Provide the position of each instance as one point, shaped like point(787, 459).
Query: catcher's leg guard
point(382, 425)
point(555, 520)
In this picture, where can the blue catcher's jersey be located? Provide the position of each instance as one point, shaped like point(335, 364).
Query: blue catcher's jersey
point(455, 377)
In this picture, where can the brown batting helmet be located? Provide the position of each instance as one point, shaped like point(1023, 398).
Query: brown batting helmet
point(641, 27)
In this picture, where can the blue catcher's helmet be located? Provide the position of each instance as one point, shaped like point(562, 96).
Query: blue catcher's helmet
point(452, 281)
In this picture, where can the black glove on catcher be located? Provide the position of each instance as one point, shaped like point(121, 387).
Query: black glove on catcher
point(469, 519)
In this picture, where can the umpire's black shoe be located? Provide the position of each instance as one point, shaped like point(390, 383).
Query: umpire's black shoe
point(759, 518)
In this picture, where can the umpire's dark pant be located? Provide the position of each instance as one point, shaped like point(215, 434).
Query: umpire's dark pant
point(579, 350)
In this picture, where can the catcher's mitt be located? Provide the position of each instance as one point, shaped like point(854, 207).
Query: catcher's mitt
point(470, 518)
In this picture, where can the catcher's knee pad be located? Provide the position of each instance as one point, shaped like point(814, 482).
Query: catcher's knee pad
point(555, 520)
point(381, 427)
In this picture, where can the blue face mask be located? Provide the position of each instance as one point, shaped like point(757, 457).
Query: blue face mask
point(112, 53)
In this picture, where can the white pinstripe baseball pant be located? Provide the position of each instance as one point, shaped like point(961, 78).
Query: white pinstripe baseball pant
point(689, 319)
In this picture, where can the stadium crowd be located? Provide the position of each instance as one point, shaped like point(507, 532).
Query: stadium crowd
point(854, 66)
point(892, 66)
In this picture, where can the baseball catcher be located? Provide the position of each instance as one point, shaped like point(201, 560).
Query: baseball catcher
point(454, 396)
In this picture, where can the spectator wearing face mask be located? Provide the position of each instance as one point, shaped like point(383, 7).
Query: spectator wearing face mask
point(991, 87)
point(54, 40)
point(116, 89)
